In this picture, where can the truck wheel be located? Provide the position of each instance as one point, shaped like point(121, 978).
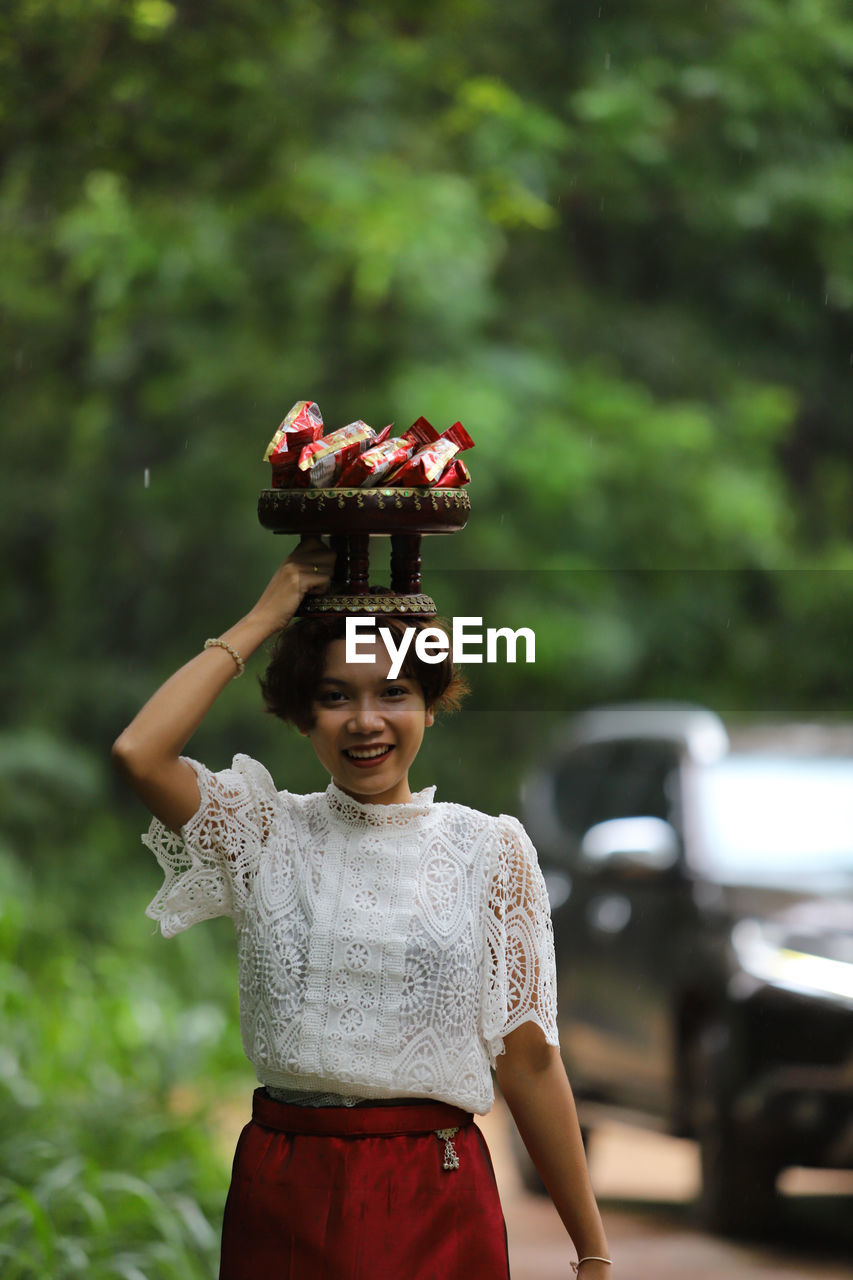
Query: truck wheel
point(738, 1189)
point(738, 1192)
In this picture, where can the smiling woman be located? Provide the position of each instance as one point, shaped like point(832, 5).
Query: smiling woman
point(367, 729)
point(392, 951)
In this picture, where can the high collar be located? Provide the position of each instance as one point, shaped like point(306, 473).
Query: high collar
point(346, 808)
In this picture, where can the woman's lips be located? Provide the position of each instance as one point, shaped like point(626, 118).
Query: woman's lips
point(368, 761)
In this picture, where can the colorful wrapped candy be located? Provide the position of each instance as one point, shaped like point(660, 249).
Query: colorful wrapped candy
point(429, 462)
point(356, 457)
point(326, 458)
point(371, 467)
point(302, 425)
point(454, 476)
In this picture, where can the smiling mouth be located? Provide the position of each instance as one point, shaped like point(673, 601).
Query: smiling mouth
point(367, 755)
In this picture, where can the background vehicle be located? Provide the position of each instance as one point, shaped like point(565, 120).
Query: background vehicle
point(702, 897)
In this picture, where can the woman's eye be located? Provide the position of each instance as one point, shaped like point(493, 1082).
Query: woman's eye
point(396, 691)
point(329, 696)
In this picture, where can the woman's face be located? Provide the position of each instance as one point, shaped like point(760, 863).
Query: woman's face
point(367, 728)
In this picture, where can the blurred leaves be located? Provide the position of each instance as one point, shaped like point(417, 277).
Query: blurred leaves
point(102, 1170)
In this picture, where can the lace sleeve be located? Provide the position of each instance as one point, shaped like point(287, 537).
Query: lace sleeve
point(209, 864)
point(520, 973)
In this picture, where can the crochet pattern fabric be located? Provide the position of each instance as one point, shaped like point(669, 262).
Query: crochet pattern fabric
point(384, 950)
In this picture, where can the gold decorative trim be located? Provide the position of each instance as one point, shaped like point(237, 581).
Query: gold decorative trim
point(419, 606)
point(372, 511)
point(448, 498)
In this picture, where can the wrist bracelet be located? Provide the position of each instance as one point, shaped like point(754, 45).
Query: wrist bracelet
point(591, 1258)
point(223, 644)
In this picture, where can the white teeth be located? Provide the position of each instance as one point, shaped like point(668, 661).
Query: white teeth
point(366, 753)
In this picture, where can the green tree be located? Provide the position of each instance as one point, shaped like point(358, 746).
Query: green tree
point(613, 241)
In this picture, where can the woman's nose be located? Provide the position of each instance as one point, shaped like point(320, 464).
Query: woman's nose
point(366, 716)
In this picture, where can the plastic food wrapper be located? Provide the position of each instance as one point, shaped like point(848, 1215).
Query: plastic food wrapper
point(429, 462)
point(370, 468)
point(302, 425)
point(423, 431)
point(454, 476)
point(325, 459)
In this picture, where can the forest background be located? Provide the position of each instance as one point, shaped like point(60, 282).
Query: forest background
point(615, 240)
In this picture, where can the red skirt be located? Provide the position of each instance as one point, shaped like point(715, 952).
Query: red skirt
point(351, 1193)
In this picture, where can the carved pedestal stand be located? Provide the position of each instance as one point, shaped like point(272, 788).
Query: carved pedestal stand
point(348, 517)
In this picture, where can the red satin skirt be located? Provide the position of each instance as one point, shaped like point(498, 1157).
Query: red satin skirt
point(362, 1193)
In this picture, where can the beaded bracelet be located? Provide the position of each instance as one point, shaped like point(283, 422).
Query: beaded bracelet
point(223, 644)
point(576, 1265)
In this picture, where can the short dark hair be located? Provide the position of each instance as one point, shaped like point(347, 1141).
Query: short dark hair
point(298, 659)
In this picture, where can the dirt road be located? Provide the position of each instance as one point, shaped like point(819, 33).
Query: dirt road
point(645, 1184)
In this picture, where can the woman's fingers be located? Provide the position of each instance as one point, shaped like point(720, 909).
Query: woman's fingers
point(316, 563)
point(309, 567)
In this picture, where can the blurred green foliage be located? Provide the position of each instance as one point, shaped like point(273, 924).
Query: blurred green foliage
point(613, 240)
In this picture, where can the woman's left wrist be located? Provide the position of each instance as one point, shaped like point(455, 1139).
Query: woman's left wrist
point(590, 1265)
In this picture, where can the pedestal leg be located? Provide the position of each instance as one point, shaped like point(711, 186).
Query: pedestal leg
point(359, 563)
point(340, 576)
point(406, 562)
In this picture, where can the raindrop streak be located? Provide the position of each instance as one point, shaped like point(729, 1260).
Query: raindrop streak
point(146, 479)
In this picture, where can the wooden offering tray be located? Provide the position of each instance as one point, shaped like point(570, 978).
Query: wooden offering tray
point(348, 517)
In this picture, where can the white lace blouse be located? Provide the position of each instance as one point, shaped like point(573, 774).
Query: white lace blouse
point(384, 950)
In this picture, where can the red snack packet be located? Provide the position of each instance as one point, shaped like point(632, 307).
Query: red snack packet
point(325, 459)
point(423, 431)
point(367, 470)
point(303, 424)
point(425, 467)
point(454, 475)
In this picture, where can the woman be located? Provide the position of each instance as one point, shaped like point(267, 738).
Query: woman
point(391, 950)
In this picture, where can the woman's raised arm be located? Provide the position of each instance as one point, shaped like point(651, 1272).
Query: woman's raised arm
point(147, 753)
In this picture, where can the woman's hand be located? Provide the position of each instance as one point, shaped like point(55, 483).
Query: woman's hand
point(306, 570)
